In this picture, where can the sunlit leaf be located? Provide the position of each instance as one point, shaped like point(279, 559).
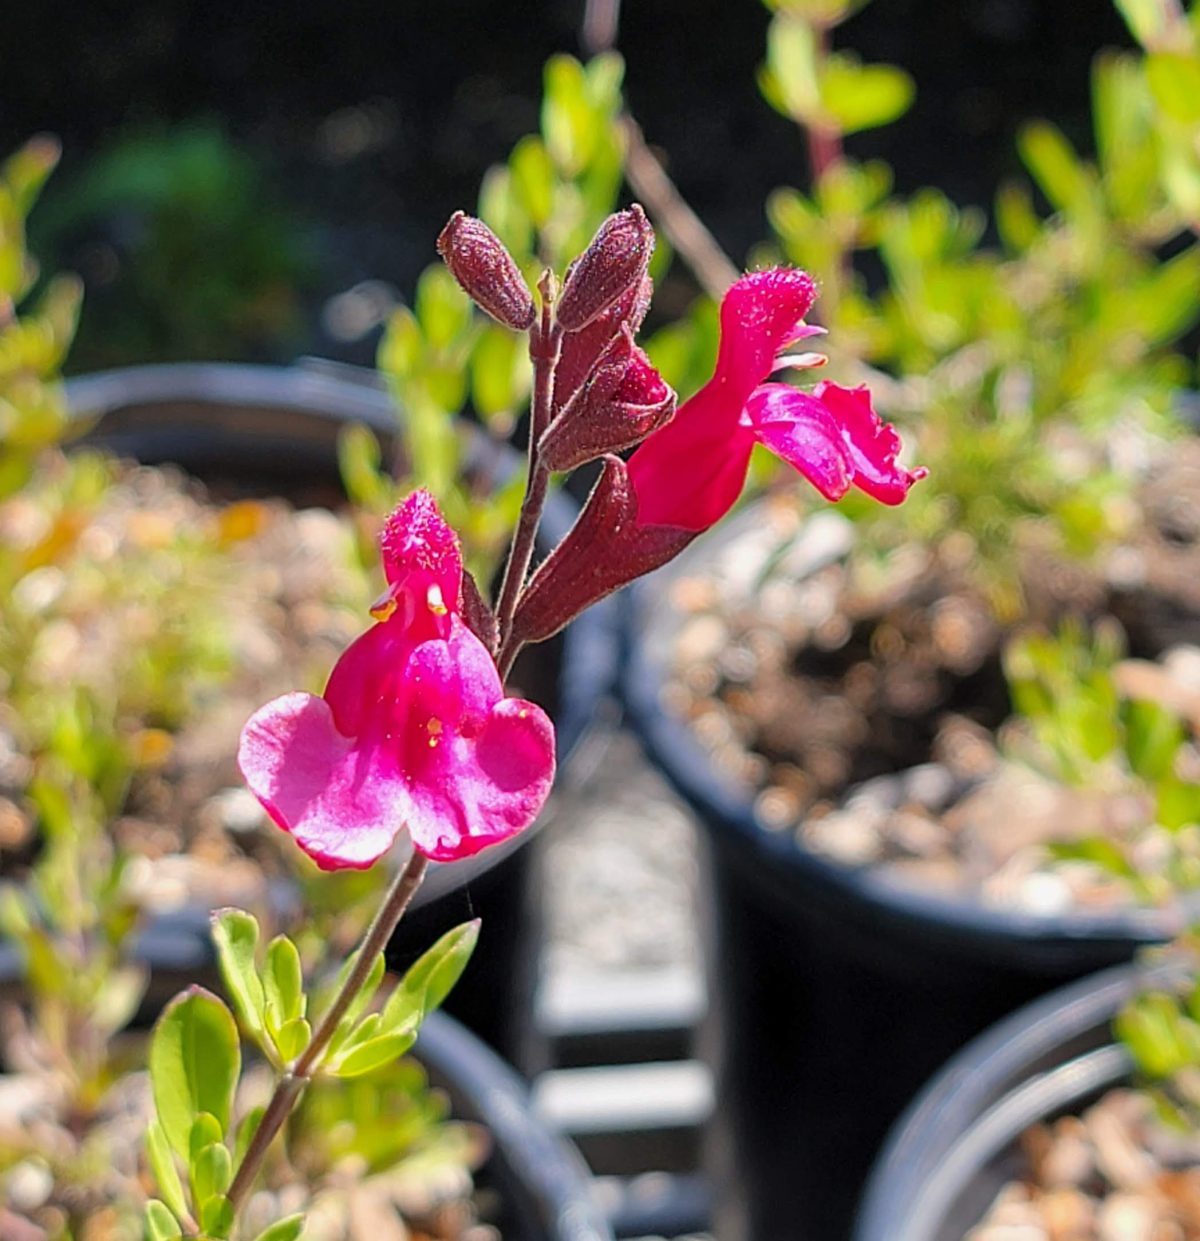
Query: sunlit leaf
point(194, 1064)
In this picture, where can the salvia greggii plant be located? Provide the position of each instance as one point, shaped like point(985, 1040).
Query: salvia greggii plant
point(415, 737)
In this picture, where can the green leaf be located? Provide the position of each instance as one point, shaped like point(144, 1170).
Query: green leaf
point(292, 1038)
point(119, 999)
point(604, 76)
point(533, 179)
point(1181, 180)
point(567, 114)
point(25, 172)
point(283, 983)
point(497, 365)
point(788, 80)
point(1161, 1039)
point(161, 1225)
point(443, 309)
point(235, 935)
point(283, 1229)
point(1016, 220)
point(206, 1130)
point(399, 352)
point(1054, 165)
point(1178, 803)
point(361, 1001)
point(1153, 735)
point(503, 214)
point(211, 1172)
point(373, 1054)
point(162, 1165)
point(1166, 301)
point(216, 1216)
point(1097, 849)
point(194, 1064)
point(862, 97)
point(430, 978)
point(360, 463)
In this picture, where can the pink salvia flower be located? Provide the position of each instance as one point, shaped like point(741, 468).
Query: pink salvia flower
point(413, 729)
point(689, 473)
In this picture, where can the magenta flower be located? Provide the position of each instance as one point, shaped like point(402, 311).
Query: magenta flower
point(690, 473)
point(413, 729)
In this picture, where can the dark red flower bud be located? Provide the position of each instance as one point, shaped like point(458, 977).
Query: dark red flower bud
point(478, 615)
point(624, 399)
point(581, 350)
point(604, 550)
point(487, 272)
point(614, 262)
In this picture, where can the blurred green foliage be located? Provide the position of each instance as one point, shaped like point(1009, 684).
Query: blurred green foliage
point(117, 589)
point(1011, 365)
point(1079, 723)
point(1160, 1028)
point(188, 251)
point(33, 338)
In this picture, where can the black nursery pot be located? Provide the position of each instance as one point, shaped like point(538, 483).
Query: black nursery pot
point(833, 995)
point(542, 1181)
point(956, 1146)
point(261, 430)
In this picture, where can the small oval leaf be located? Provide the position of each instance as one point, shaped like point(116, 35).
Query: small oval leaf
point(194, 1064)
point(161, 1225)
point(283, 1230)
point(374, 1053)
point(162, 1166)
point(235, 935)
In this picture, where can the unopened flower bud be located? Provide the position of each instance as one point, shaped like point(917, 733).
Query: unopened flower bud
point(487, 272)
point(614, 262)
point(623, 401)
point(582, 350)
point(605, 549)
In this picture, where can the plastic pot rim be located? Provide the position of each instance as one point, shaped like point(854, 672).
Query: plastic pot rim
point(540, 1158)
point(1020, 1070)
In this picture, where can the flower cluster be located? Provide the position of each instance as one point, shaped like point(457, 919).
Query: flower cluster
point(689, 473)
point(413, 728)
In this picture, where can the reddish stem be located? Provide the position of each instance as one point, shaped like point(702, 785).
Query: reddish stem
point(545, 344)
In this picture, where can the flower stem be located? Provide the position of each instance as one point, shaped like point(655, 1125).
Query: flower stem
point(545, 343)
point(291, 1085)
point(690, 236)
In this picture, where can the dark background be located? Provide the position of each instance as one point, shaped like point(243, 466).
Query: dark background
point(372, 122)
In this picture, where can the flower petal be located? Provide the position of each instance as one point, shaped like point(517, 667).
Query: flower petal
point(363, 687)
point(690, 472)
point(479, 766)
point(342, 802)
point(420, 550)
point(834, 438)
point(760, 314)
